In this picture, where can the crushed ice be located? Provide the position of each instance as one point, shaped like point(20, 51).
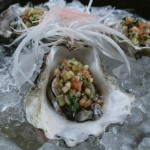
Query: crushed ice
point(134, 134)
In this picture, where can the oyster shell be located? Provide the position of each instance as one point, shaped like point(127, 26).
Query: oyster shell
point(128, 47)
point(10, 24)
point(41, 114)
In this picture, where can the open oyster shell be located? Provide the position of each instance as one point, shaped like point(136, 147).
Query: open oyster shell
point(41, 114)
point(128, 47)
point(10, 23)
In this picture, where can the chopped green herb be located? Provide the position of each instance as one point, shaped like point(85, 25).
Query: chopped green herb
point(146, 37)
point(136, 21)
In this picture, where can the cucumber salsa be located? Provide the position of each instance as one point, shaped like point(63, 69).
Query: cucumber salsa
point(75, 92)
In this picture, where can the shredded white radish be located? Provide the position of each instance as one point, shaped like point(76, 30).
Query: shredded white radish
point(89, 6)
point(59, 24)
point(21, 31)
point(108, 52)
point(91, 33)
point(17, 39)
point(102, 28)
point(22, 23)
point(101, 19)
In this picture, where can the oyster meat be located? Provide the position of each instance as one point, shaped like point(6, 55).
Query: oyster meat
point(41, 114)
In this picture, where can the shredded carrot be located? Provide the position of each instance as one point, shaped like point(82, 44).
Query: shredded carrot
point(68, 15)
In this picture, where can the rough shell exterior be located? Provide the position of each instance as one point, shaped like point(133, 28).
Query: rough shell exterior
point(41, 114)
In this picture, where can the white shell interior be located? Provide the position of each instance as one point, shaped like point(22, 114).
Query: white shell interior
point(40, 113)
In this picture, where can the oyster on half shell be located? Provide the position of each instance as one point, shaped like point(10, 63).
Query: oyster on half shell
point(10, 24)
point(41, 114)
point(128, 47)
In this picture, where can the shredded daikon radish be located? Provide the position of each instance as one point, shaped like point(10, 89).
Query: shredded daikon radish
point(17, 39)
point(102, 28)
point(22, 23)
point(60, 23)
point(101, 19)
point(89, 6)
point(21, 31)
point(113, 43)
point(107, 52)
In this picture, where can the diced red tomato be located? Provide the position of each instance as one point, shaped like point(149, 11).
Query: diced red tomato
point(76, 85)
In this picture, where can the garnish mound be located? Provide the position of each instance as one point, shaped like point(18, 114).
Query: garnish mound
point(75, 92)
point(31, 16)
point(136, 30)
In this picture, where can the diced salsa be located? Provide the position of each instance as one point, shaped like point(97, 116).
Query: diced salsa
point(31, 16)
point(75, 89)
point(136, 30)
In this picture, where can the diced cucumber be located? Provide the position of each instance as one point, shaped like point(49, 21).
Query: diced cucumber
point(90, 80)
point(87, 91)
point(135, 41)
point(69, 74)
point(91, 96)
point(56, 71)
point(86, 67)
point(65, 89)
point(75, 62)
point(80, 65)
point(79, 73)
point(67, 100)
point(74, 67)
point(136, 35)
point(65, 78)
point(68, 84)
point(28, 24)
point(61, 100)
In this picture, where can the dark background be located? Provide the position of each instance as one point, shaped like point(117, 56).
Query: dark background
point(140, 7)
